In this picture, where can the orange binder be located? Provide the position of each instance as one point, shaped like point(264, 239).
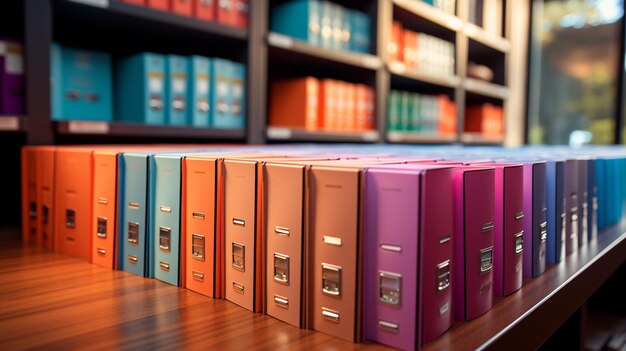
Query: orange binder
point(104, 204)
point(447, 116)
point(163, 5)
point(205, 9)
point(29, 195)
point(45, 195)
point(294, 103)
point(72, 201)
point(327, 105)
point(202, 247)
point(334, 217)
point(182, 7)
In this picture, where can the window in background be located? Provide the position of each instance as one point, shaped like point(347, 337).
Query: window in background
point(575, 62)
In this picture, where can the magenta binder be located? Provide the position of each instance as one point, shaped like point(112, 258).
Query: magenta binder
point(508, 228)
point(408, 250)
point(473, 241)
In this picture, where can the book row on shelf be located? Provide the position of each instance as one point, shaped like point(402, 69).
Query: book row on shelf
point(384, 243)
point(321, 104)
point(412, 112)
point(228, 12)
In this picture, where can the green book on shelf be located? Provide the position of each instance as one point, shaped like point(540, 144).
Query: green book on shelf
point(415, 119)
point(405, 113)
point(392, 111)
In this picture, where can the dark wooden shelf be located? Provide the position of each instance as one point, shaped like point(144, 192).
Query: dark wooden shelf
point(282, 45)
point(419, 138)
point(120, 129)
point(399, 69)
point(479, 139)
point(302, 135)
point(142, 15)
point(11, 124)
point(431, 14)
point(478, 34)
point(525, 319)
point(487, 89)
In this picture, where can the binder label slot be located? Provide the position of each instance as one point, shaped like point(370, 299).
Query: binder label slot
point(332, 240)
point(45, 213)
point(486, 259)
point(487, 227)
point(165, 209)
point(240, 222)
point(519, 216)
point(239, 256)
point(197, 247)
point(390, 247)
point(101, 251)
point(70, 218)
point(132, 259)
point(281, 268)
point(331, 279)
point(102, 227)
point(198, 215)
point(543, 234)
point(164, 266)
point(388, 326)
point(165, 239)
point(103, 201)
point(443, 275)
point(133, 205)
point(389, 287)
point(133, 233)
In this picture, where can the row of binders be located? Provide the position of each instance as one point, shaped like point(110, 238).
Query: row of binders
point(323, 24)
point(228, 12)
point(148, 88)
point(386, 243)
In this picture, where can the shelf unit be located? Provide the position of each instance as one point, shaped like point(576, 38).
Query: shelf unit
point(104, 25)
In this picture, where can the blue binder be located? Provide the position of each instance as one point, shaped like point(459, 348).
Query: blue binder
point(199, 78)
point(176, 97)
point(300, 19)
point(140, 89)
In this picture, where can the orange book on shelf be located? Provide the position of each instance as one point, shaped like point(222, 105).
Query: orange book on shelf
point(205, 9)
point(294, 103)
point(350, 107)
point(45, 195)
point(493, 124)
point(409, 48)
point(360, 114)
point(447, 116)
point(163, 5)
point(473, 118)
point(182, 7)
point(396, 47)
point(72, 202)
point(327, 109)
point(340, 101)
point(370, 113)
point(29, 195)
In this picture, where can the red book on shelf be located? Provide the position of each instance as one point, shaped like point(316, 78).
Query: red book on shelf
point(474, 118)
point(294, 103)
point(360, 111)
point(447, 116)
point(163, 5)
point(370, 101)
point(350, 105)
point(395, 48)
point(242, 9)
point(486, 119)
point(409, 48)
point(204, 9)
point(340, 101)
point(225, 12)
point(182, 7)
point(135, 2)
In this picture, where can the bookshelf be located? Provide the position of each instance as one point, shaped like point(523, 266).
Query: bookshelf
point(104, 24)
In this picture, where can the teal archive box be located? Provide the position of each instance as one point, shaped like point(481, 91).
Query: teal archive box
point(176, 100)
point(81, 84)
point(140, 84)
point(199, 86)
point(228, 94)
point(360, 31)
point(299, 19)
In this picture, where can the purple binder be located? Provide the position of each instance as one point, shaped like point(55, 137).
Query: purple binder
point(11, 78)
point(535, 214)
point(408, 249)
point(473, 241)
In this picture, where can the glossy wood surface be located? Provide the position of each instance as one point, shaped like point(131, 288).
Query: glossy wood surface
point(51, 301)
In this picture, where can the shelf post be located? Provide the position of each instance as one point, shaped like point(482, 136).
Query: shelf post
point(257, 71)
